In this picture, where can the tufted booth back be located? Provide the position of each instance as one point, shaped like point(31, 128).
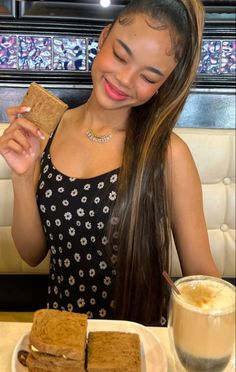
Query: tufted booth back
point(214, 154)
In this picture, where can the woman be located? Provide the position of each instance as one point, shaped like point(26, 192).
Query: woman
point(115, 181)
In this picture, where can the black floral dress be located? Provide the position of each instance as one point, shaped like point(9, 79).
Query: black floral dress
point(75, 213)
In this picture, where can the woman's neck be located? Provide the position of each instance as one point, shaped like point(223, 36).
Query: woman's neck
point(99, 119)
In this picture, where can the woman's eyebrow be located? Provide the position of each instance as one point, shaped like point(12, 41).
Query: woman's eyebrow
point(128, 50)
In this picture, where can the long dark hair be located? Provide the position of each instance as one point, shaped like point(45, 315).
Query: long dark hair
point(143, 204)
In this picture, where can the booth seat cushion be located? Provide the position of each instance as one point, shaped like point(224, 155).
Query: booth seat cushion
point(214, 154)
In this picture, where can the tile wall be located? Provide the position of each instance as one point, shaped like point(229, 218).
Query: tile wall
point(65, 53)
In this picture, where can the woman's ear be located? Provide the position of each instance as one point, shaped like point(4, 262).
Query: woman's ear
point(103, 35)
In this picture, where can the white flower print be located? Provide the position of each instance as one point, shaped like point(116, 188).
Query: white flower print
point(51, 236)
point(65, 203)
point(58, 279)
point(74, 192)
point(87, 186)
point(49, 290)
point(60, 236)
point(61, 189)
point(72, 179)
point(45, 169)
point(88, 225)
point(42, 208)
point(92, 301)
point(91, 213)
point(41, 185)
point(102, 265)
point(112, 195)
point(104, 240)
point(70, 307)
point(100, 185)
point(68, 216)
point(60, 262)
point(94, 288)
point(48, 193)
point(115, 235)
point(81, 273)
point(114, 220)
point(83, 241)
point(113, 178)
point(67, 293)
point(53, 208)
point(49, 175)
point(58, 177)
point(102, 313)
point(107, 280)
point(97, 200)
point(67, 262)
point(77, 257)
point(92, 272)
point(58, 222)
point(54, 261)
point(71, 280)
point(104, 294)
point(55, 305)
point(99, 252)
point(82, 288)
point(89, 256)
point(90, 314)
point(53, 249)
point(69, 245)
point(71, 231)
point(53, 276)
point(78, 223)
point(55, 289)
point(106, 209)
point(80, 212)
point(113, 259)
point(93, 239)
point(48, 223)
point(62, 278)
point(84, 199)
point(100, 225)
point(81, 302)
point(60, 249)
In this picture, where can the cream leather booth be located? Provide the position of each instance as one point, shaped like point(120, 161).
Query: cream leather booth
point(214, 154)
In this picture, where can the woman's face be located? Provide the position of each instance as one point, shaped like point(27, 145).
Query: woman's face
point(134, 61)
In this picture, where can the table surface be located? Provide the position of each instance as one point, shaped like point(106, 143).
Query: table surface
point(11, 332)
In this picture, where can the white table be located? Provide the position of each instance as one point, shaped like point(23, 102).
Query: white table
point(10, 333)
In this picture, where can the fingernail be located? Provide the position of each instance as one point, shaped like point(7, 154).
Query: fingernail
point(41, 135)
point(26, 109)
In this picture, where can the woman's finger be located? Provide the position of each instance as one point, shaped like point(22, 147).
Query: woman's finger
point(21, 140)
point(13, 112)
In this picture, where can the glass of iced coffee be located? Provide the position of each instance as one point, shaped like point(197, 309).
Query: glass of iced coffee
point(202, 323)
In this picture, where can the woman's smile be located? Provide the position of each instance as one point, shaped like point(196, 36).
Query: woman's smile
point(113, 92)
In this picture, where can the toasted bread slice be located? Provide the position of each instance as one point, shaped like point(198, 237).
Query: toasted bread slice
point(46, 109)
point(50, 364)
point(113, 352)
point(59, 333)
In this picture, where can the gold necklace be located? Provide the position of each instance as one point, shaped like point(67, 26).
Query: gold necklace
point(98, 139)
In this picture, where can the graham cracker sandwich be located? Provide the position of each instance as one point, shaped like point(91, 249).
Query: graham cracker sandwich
point(57, 341)
point(46, 109)
point(113, 352)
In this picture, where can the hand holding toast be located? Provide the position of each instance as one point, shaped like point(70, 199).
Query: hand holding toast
point(20, 143)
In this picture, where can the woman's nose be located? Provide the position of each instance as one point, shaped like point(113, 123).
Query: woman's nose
point(126, 77)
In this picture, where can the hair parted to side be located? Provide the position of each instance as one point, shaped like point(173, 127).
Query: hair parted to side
point(142, 206)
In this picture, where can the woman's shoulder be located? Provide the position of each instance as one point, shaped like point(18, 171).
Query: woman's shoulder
point(178, 149)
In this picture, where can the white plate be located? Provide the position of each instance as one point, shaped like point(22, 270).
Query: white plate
point(153, 356)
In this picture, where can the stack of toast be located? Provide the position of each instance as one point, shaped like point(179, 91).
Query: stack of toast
point(59, 343)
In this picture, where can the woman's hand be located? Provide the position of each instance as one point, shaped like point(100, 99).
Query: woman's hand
point(20, 142)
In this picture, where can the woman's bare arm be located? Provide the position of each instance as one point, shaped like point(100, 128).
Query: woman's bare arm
point(188, 221)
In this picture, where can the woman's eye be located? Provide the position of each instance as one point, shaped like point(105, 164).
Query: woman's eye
point(149, 80)
point(118, 57)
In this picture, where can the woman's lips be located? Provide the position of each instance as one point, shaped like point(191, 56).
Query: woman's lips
point(113, 92)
